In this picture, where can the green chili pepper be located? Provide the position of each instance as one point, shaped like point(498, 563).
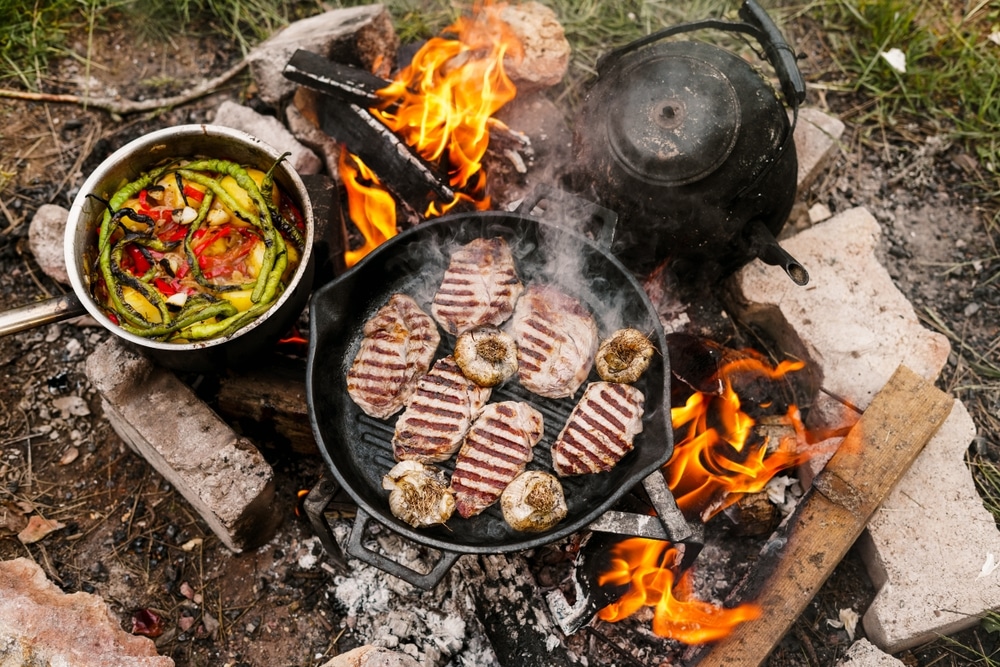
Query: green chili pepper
point(188, 316)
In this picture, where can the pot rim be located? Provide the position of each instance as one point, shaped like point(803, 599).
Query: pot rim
point(138, 156)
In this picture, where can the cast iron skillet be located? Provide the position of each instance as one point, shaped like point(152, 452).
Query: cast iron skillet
point(358, 448)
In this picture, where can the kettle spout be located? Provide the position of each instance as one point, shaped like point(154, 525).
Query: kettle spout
point(765, 246)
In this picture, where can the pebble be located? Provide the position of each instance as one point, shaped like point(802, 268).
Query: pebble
point(971, 309)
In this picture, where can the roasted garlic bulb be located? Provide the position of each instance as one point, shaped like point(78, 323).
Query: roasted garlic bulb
point(624, 356)
point(486, 355)
point(419, 494)
point(533, 502)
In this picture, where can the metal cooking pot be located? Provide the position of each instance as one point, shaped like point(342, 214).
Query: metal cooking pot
point(692, 147)
point(358, 448)
point(80, 245)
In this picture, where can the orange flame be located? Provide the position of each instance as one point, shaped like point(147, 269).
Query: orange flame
point(647, 566)
point(442, 105)
point(715, 463)
point(370, 206)
point(718, 460)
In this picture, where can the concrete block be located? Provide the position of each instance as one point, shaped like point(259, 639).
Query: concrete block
point(929, 547)
point(271, 131)
point(851, 320)
point(817, 141)
point(222, 475)
point(865, 654)
point(41, 625)
point(368, 26)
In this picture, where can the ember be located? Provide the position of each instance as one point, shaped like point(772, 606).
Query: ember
point(441, 105)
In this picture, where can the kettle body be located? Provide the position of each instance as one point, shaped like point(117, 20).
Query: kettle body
point(693, 148)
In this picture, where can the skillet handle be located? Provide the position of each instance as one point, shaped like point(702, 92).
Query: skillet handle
point(608, 218)
point(36, 314)
point(428, 581)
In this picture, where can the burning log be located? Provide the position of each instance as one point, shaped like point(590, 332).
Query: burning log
point(345, 83)
point(797, 560)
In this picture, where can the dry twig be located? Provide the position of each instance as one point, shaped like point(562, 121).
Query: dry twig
point(126, 107)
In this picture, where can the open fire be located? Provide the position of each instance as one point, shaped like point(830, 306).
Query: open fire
point(719, 457)
point(442, 106)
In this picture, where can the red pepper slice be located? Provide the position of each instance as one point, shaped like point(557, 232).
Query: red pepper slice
point(211, 237)
point(140, 265)
point(194, 193)
point(173, 234)
point(166, 289)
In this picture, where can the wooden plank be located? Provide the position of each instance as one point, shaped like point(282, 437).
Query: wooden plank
point(901, 419)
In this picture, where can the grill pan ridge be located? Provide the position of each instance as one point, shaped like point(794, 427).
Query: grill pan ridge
point(357, 448)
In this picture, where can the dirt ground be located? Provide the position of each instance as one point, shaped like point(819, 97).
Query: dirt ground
point(131, 538)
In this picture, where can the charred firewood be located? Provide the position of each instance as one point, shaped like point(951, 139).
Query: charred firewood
point(403, 172)
point(342, 82)
point(505, 597)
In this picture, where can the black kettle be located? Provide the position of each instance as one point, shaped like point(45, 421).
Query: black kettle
point(693, 149)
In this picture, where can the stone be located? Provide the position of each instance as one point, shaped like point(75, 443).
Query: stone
point(41, 625)
point(863, 653)
point(46, 234)
point(371, 656)
point(364, 32)
point(545, 47)
point(305, 128)
point(271, 131)
point(221, 474)
point(928, 588)
point(817, 140)
point(850, 321)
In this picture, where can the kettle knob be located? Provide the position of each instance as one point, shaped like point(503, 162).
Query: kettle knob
point(674, 119)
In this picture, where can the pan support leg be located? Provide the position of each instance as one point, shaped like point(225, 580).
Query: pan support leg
point(315, 504)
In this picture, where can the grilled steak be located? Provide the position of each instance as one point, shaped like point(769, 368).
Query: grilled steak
point(438, 414)
point(479, 287)
point(600, 429)
point(495, 451)
point(397, 348)
point(556, 341)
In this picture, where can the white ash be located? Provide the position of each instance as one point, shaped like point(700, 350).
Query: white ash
point(434, 627)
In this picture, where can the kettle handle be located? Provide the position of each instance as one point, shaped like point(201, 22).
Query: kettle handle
point(756, 23)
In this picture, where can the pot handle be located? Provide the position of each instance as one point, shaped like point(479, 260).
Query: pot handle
point(756, 23)
point(427, 581)
point(36, 314)
point(608, 219)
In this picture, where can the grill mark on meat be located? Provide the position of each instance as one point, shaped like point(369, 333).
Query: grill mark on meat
point(397, 347)
point(496, 450)
point(479, 287)
point(557, 341)
point(599, 430)
point(438, 415)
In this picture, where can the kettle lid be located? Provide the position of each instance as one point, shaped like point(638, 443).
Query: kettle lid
point(674, 119)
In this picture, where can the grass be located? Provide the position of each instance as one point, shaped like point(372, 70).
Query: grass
point(951, 85)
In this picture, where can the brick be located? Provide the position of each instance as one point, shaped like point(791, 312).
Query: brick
point(865, 654)
point(851, 320)
point(817, 141)
point(927, 544)
point(221, 474)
